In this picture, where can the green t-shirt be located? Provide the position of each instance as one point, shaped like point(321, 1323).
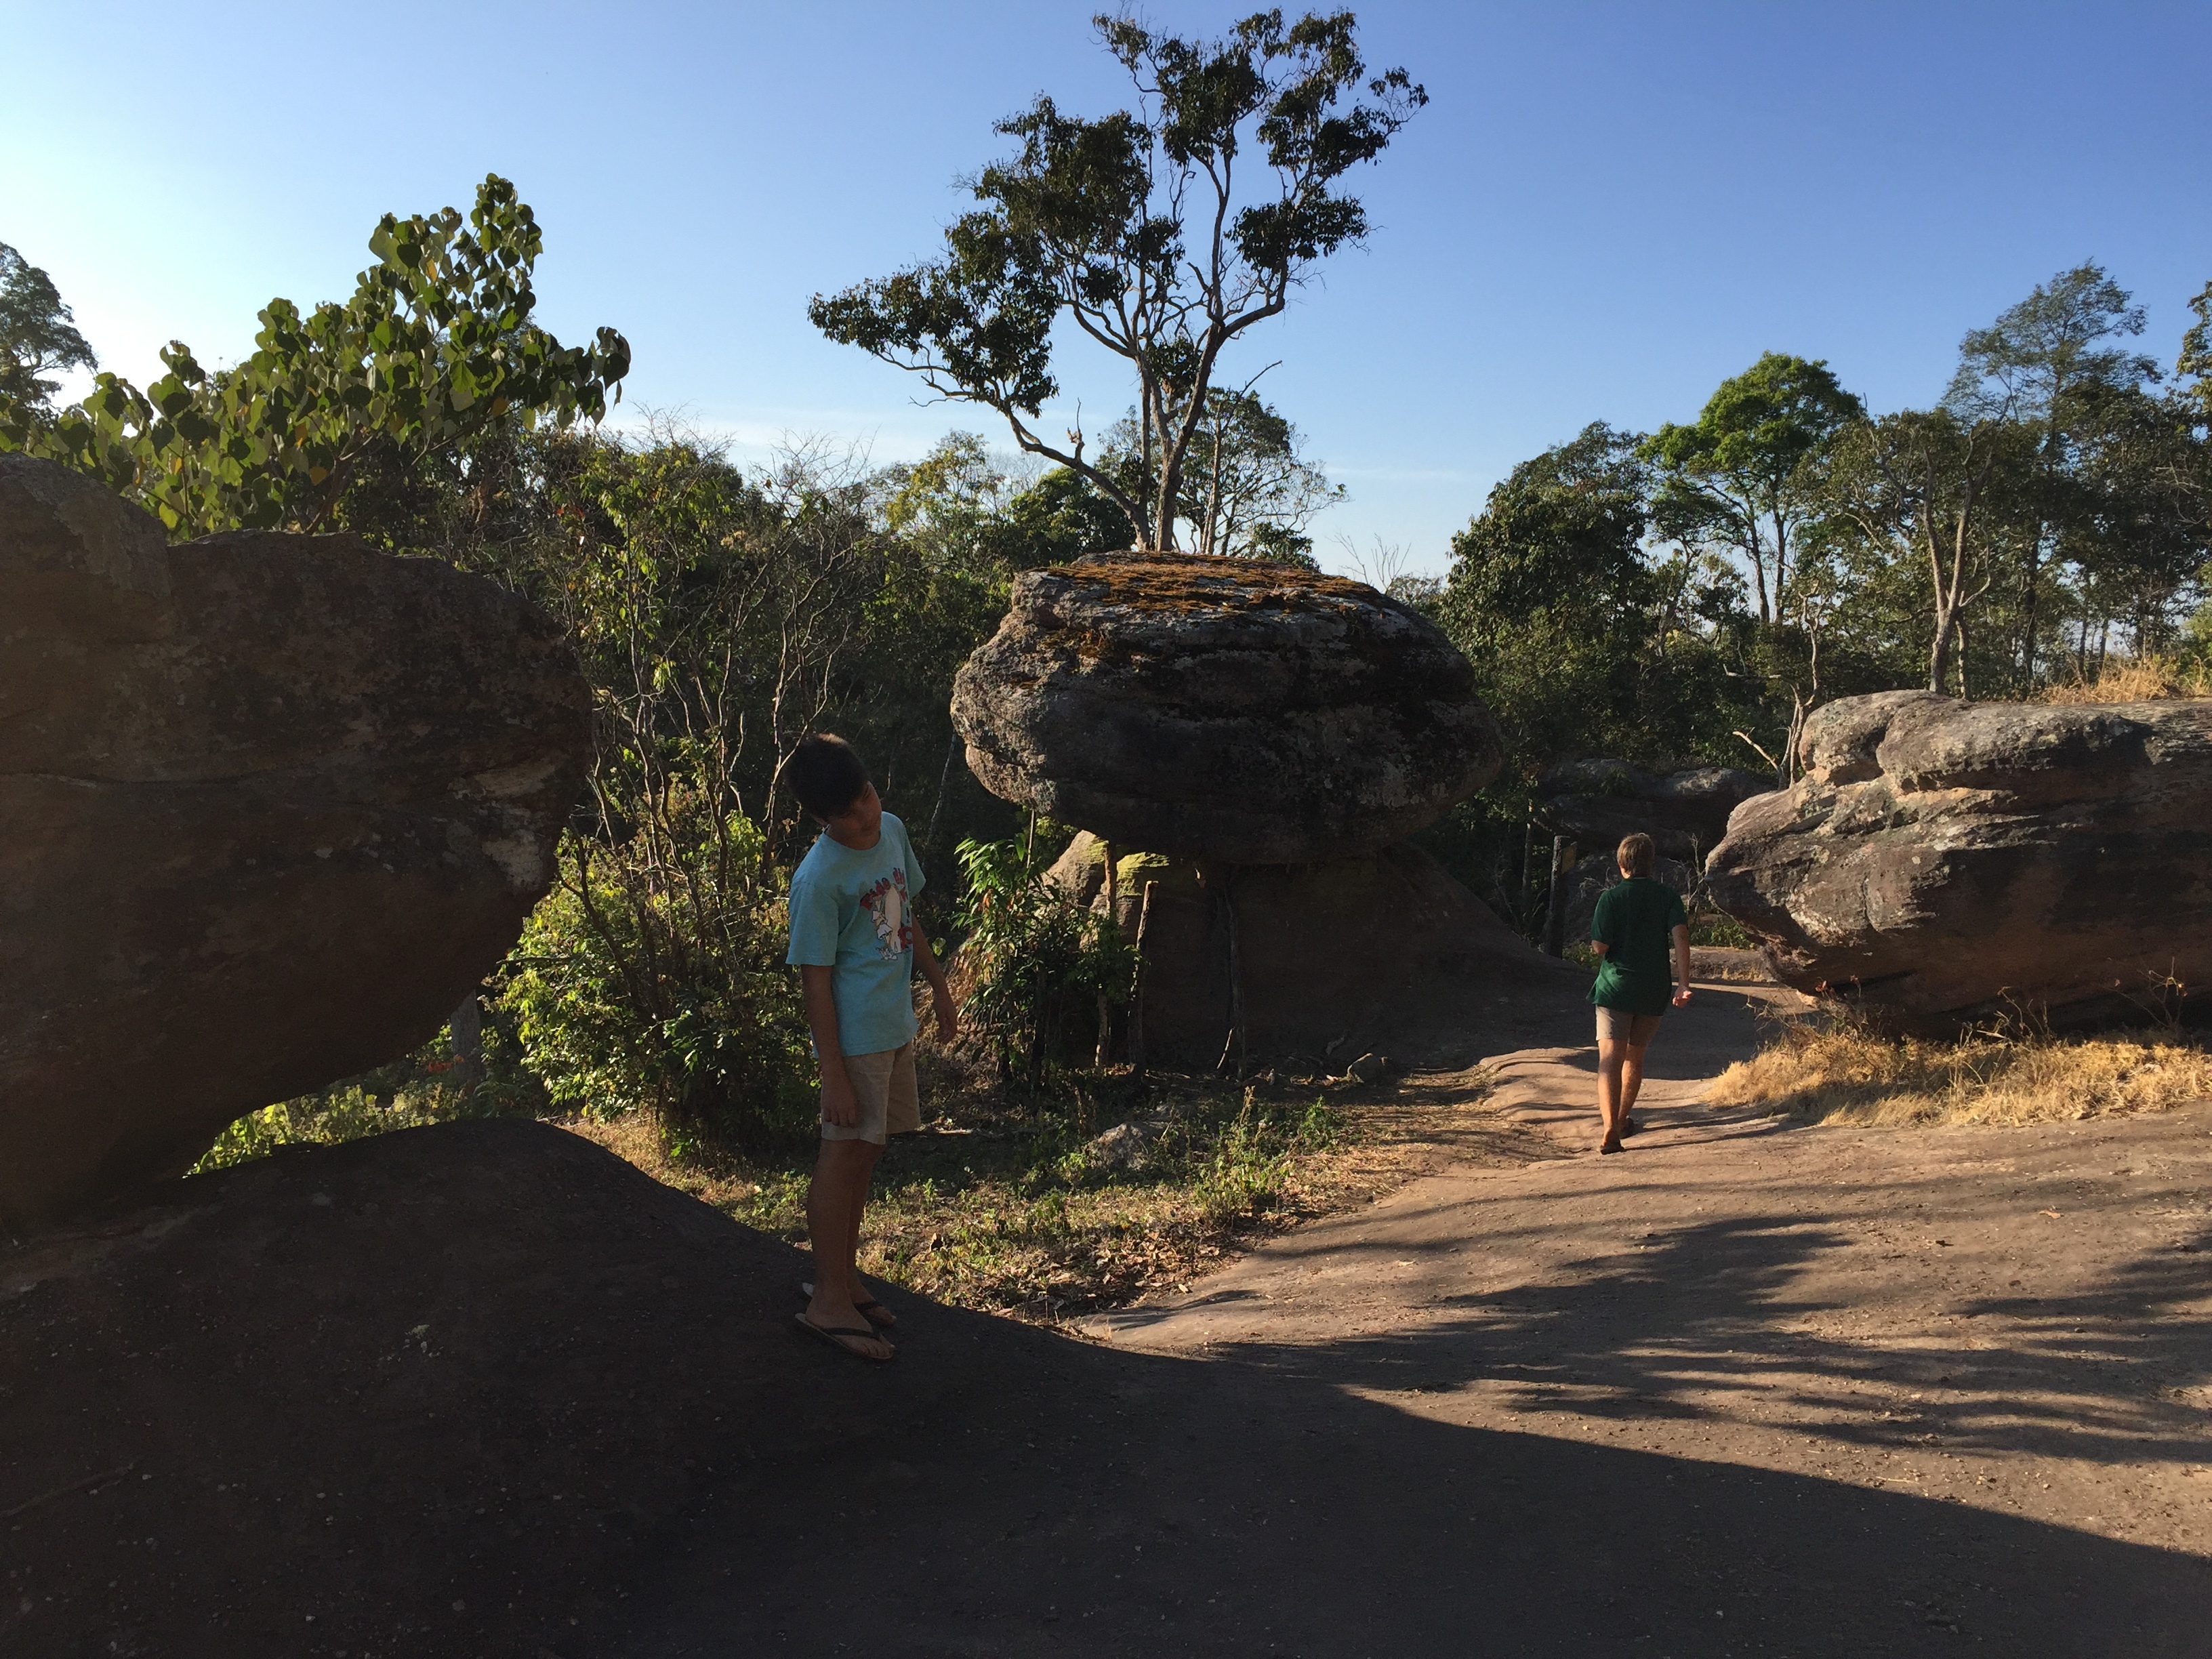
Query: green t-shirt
point(1636, 922)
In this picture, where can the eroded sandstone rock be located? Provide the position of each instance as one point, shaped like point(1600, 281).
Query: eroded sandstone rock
point(269, 805)
point(1943, 863)
point(1223, 710)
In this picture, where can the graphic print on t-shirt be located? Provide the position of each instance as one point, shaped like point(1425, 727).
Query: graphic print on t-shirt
point(885, 903)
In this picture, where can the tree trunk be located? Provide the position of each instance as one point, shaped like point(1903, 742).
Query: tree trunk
point(466, 1029)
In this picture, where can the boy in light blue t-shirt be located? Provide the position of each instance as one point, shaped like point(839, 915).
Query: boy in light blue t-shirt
point(854, 943)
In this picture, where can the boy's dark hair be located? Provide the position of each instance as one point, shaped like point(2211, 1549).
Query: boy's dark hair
point(1636, 853)
point(825, 774)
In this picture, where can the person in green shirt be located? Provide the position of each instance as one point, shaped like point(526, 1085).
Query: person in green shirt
point(1634, 924)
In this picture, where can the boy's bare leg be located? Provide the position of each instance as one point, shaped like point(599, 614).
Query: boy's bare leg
point(1632, 1077)
point(852, 1231)
point(1611, 1055)
point(834, 1201)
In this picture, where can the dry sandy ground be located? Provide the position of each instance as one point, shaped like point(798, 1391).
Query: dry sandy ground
point(486, 1390)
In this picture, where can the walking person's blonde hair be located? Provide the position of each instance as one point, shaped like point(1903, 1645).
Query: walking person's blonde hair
point(1636, 854)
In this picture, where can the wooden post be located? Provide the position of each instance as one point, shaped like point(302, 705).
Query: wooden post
point(466, 1030)
point(1136, 993)
point(1555, 908)
point(1112, 920)
point(1236, 1037)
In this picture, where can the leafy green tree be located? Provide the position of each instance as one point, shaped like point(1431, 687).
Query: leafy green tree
point(1914, 490)
point(435, 352)
point(2051, 363)
point(1135, 229)
point(1580, 645)
point(1742, 479)
point(37, 338)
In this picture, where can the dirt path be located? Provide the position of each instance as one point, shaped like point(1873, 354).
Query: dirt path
point(2019, 1320)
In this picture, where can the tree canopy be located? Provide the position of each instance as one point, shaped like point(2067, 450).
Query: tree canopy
point(435, 351)
point(37, 338)
point(1139, 231)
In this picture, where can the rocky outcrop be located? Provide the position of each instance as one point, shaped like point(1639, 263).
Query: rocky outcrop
point(1943, 863)
point(269, 806)
point(1223, 710)
point(1596, 803)
point(1383, 951)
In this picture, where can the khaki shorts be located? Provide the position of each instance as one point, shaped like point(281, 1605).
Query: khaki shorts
point(1618, 1025)
point(890, 1102)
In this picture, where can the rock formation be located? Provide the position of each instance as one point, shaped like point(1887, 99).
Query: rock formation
point(1222, 709)
point(1944, 862)
point(1595, 803)
point(271, 805)
point(1383, 951)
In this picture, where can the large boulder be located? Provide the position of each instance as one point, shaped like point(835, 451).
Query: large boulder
point(1382, 951)
point(1596, 803)
point(271, 805)
point(1943, 862)
point(1223, 710)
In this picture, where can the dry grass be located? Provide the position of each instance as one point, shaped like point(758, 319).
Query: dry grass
point(1020, 1217)
point(1845, 1075)
point(2147, 679)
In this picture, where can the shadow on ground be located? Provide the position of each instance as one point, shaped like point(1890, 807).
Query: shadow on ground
point(1712, 1320)
point(483, 1390)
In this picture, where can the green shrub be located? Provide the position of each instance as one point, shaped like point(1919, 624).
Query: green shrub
point(651, 979)
point(1035, 964)
point(409, 1093)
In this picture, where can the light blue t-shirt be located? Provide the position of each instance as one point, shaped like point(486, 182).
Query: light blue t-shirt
point(851, 911)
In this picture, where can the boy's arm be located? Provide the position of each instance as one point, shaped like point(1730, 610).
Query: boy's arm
point(1681, 966)
point(940, 993)
point(840, 1105)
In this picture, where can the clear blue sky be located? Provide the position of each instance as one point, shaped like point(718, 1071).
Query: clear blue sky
point(1604, 210)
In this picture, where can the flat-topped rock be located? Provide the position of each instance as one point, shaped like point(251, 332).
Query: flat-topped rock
point(271, 805)
point(1942, 863)
point(1223, 710)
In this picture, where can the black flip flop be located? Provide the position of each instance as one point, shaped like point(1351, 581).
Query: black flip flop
point(1629, 1126)
point(833, 1334)
point(868, 1310)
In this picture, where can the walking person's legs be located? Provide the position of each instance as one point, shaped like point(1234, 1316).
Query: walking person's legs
point(1612, 1061)
point(1632, 1067)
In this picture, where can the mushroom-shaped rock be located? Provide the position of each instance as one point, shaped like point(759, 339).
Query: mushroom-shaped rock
point(1223, 710)
point(1942, 863)
point(271, 806)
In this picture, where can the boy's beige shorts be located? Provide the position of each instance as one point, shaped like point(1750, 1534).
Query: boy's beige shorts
point(890, 1102)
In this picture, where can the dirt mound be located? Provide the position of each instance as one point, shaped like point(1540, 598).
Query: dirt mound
point(431, 1393)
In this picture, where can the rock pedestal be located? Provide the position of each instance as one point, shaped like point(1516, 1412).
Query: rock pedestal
point(271, 805)
point(1223, 710)
point(1383, 952)
point(1944, 863)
